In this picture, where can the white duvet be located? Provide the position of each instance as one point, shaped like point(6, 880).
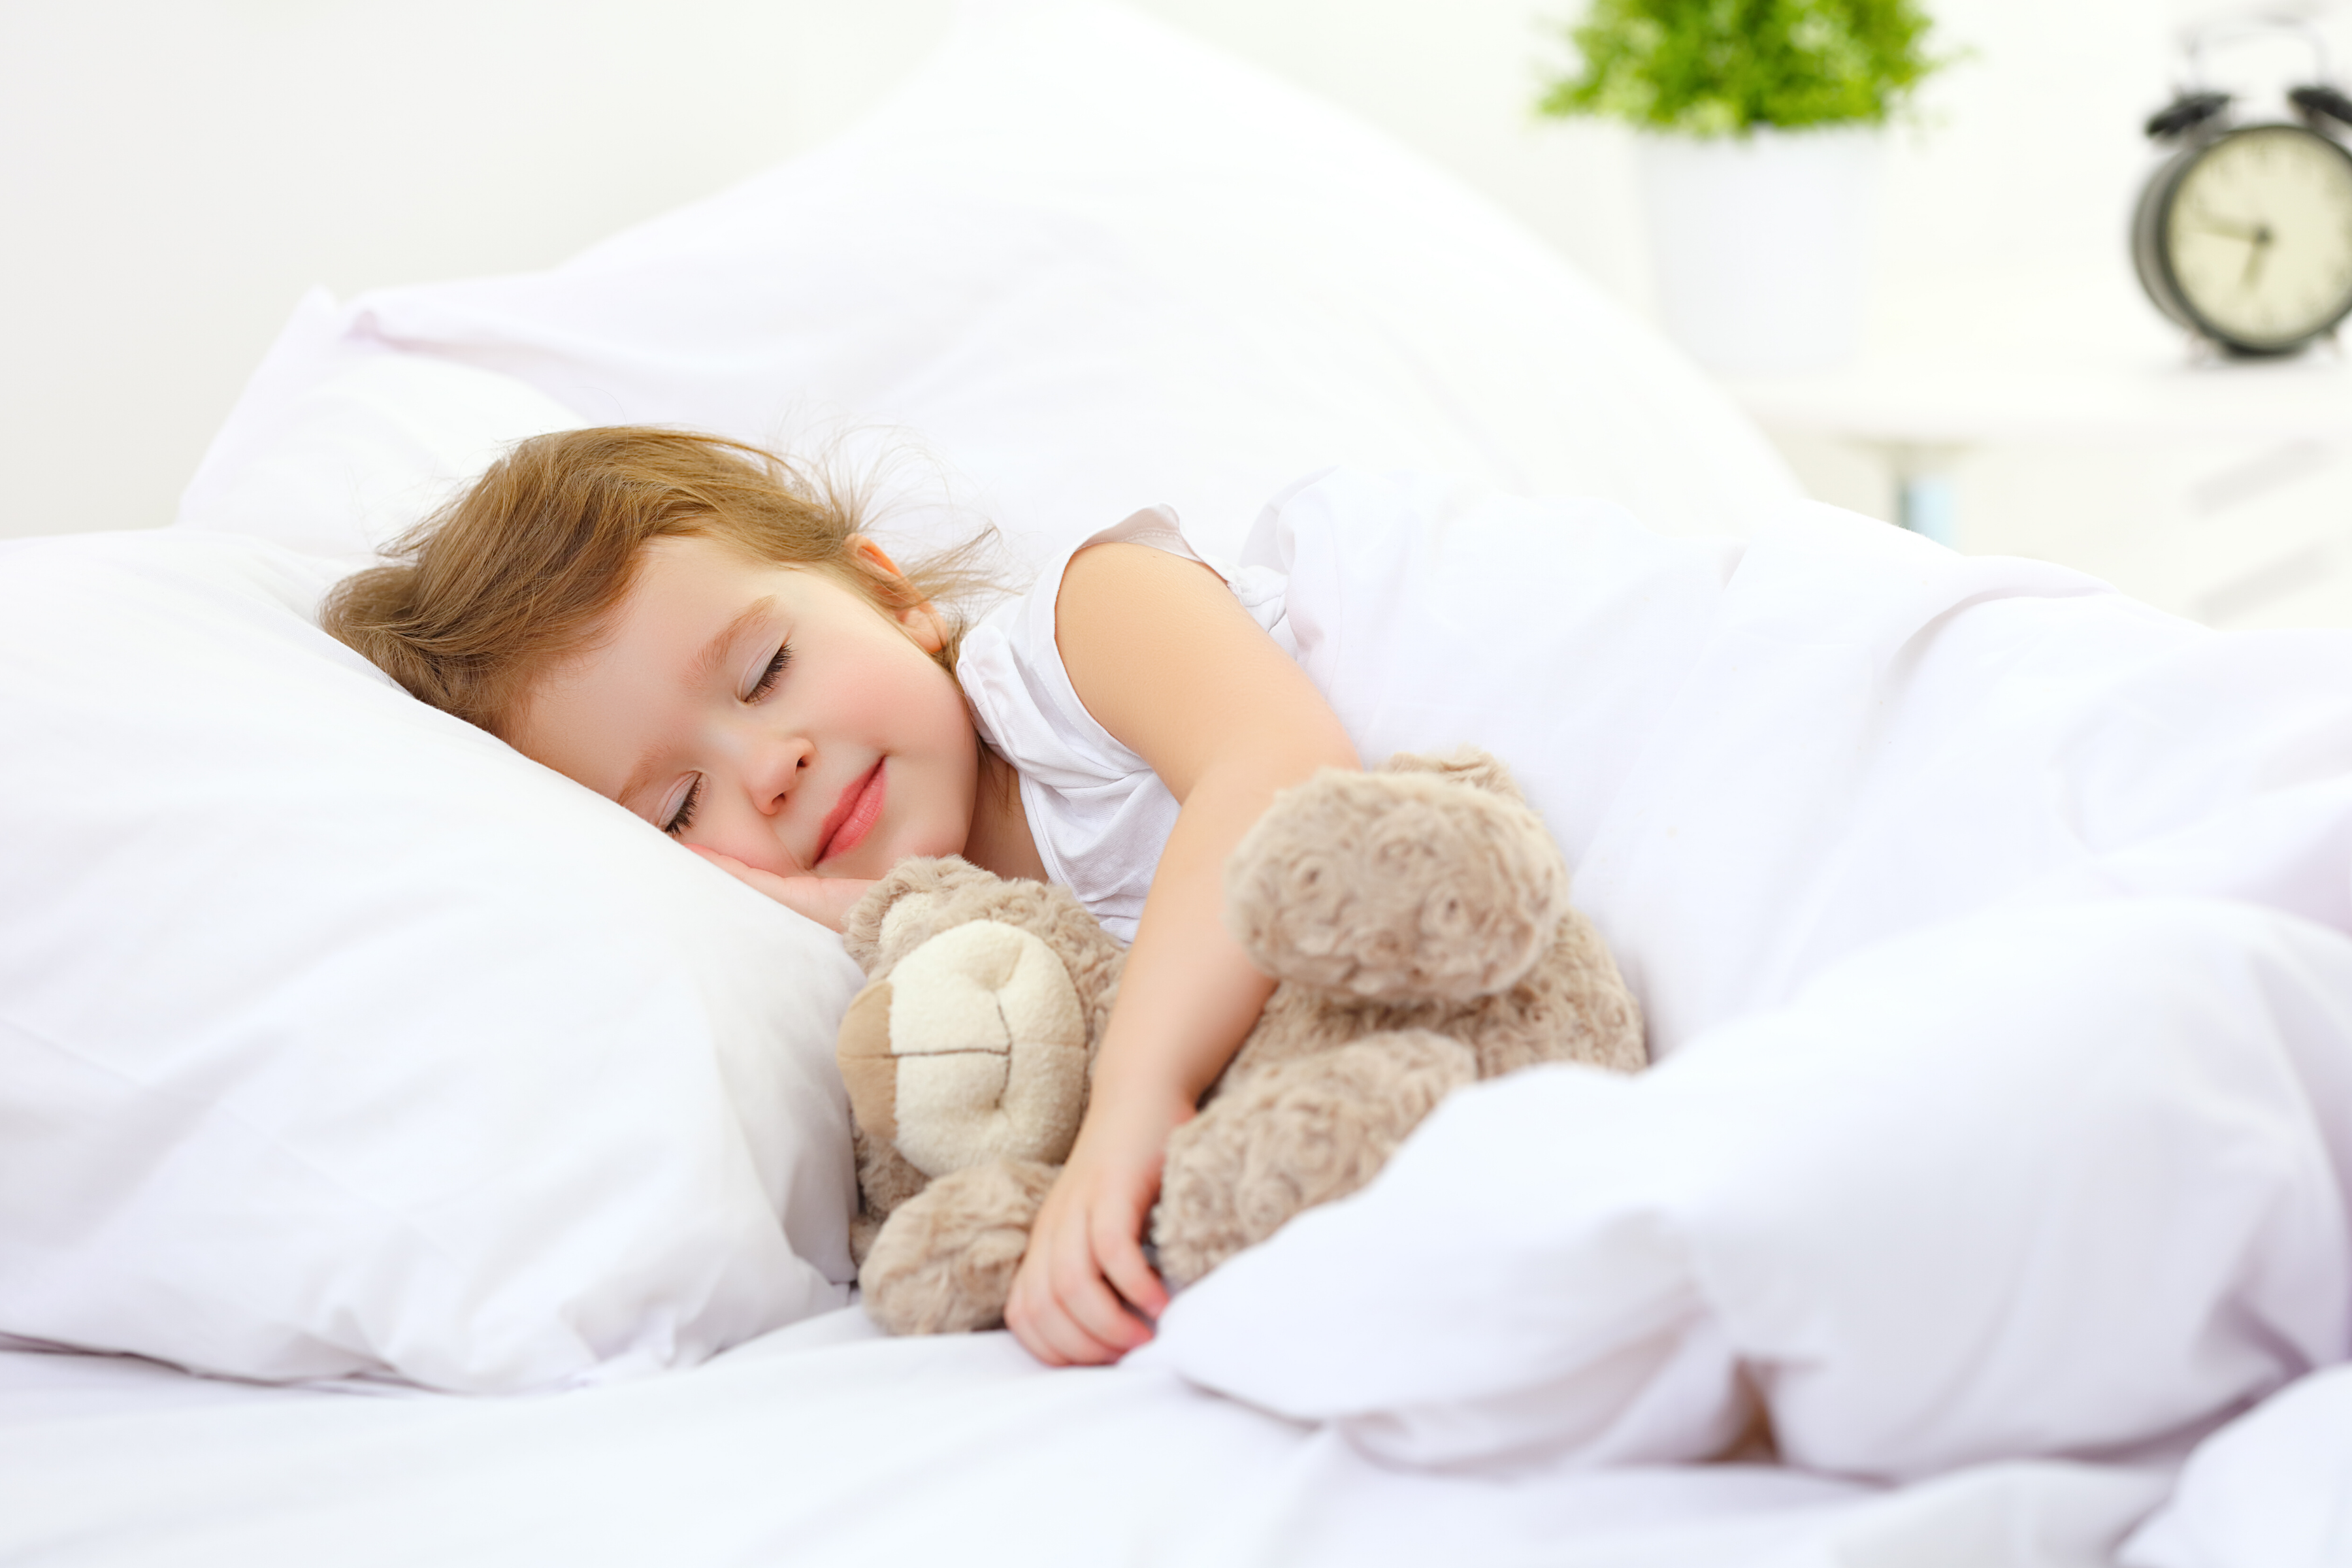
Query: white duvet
point(1992, 930)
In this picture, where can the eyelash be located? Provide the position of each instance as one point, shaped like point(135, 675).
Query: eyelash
point(684, 818)
point(775, 670)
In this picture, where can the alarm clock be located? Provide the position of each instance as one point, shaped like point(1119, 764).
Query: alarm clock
point(2244, 234)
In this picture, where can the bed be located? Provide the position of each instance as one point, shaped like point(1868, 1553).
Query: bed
point(405, 1156)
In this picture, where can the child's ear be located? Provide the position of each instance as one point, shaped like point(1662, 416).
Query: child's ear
point(923, 623)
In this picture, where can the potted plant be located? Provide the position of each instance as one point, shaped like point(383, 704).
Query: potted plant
point(1761, 126)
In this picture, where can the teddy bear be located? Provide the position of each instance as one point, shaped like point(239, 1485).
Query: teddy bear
point(1416, 920)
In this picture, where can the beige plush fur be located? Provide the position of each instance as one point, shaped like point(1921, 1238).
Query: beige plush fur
point(1418, 924)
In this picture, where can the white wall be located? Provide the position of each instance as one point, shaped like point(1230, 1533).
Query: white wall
point(2005, 203)
point(178, 170)
point(2023, 157)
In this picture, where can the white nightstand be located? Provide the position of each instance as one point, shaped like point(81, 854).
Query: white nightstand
point(2035, 369)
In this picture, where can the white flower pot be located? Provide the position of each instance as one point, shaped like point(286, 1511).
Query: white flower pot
point(1761, 244)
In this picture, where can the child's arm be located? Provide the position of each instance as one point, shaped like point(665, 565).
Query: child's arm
point(1167, 662)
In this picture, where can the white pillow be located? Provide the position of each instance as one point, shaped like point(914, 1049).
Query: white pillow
point(337, 1039)
point(1093, 266)
point(359, 441)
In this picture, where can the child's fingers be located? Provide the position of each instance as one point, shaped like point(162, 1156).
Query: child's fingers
point(1087, 1298)
point(1075, 1311)
point(1073, 1344)
point(1061, 1307)
point(1051, 1331)
point(825, 899)
point(1106, 1248)
point(1116, 1222)
point(1120, 1253)
point(736, 869)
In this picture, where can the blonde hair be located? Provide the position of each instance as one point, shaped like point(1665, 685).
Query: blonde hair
point(519, 572)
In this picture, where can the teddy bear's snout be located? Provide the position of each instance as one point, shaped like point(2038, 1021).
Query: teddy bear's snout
point(980, 1052)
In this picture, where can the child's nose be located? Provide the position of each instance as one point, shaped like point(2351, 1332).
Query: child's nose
point(774, 770)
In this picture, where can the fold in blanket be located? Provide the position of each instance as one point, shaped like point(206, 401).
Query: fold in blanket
point(1992, 929)
point(2046, 1182)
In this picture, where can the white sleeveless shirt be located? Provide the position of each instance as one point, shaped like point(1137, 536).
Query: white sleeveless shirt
point(1099, 814)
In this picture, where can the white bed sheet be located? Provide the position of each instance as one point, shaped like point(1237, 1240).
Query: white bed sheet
point(824, 1444)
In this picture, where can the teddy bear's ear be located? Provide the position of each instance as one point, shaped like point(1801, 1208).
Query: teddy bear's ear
point(869, 1067)
point(1464, 764)
point(913, 902)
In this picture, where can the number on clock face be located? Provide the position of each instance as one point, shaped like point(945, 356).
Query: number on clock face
point(2260, 234)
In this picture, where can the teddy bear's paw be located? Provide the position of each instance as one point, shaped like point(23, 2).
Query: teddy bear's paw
point(973, 1050)
point(885, 1180)
point(944, 1262)
point(1396, 886)
point(1302, 1132)
point(1574, 1007)
point(1593, 1014)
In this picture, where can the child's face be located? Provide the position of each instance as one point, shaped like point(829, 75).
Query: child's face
point(767, 712)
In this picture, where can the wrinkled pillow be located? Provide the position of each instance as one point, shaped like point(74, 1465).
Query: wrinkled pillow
point(338, 1040)
point(363, 441)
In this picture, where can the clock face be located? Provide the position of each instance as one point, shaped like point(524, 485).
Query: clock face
point(2258, 236)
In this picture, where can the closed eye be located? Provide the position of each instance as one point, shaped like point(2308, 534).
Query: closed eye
point(683, 817)
point(774, 672)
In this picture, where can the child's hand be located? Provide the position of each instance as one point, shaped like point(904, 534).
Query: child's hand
point(825, 899)
point(1085, 1294)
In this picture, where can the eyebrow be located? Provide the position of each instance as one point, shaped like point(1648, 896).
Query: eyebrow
point(699, 674)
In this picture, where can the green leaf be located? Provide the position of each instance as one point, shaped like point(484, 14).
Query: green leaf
point(1716, 68)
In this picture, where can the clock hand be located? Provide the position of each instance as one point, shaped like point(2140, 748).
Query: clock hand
point(2254, 254)
point(2206, 223)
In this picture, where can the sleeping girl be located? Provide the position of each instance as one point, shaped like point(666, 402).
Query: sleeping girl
point(702, 633)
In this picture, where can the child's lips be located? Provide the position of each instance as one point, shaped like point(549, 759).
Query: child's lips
point(853, 816)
